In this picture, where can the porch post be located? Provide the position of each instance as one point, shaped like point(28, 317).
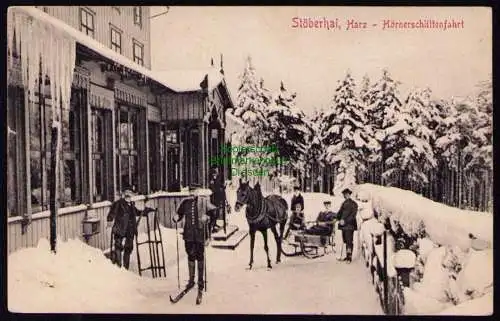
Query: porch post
point(203, 158)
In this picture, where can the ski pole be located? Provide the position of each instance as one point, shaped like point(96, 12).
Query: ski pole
point(177, 242)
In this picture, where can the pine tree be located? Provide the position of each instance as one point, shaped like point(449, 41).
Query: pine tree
point(251, 105)
point(288, 128)
point(408, 142)
point(384, 107)
point(345, 134)
point(365, 89)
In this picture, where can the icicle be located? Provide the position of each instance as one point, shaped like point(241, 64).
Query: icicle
point(11, 16)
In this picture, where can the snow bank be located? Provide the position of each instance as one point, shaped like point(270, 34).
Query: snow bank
point(476, 277)
point(445, 225)
point(78, 278)
point(481, 306)
point(417, 303)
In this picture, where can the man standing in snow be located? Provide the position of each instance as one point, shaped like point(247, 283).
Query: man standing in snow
point(347, 215)
point(218, 197)
point(123, 215)
point(194, 235)
point(297, 198)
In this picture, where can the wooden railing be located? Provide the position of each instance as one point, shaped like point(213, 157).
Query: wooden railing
point(388, 287)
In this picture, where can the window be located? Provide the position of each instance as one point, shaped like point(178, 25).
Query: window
point(71, 192)
point(155, 156)
point(40, 152)
point(101, 153)
point(127, 138)
point(138, 53)
point(172, 158)
point(16, 176)
point(87, 22)
point(116, 40)
point(138, 16)
point(194, 146)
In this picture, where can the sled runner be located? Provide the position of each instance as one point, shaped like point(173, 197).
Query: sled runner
point(300, 242)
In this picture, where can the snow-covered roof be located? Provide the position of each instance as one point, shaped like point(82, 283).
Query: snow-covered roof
point(88, 42)
point(189, 80)
point(235, 119)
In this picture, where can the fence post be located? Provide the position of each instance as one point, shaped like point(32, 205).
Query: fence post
point(385, 273)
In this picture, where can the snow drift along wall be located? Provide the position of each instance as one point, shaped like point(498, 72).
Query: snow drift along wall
point(444, 224)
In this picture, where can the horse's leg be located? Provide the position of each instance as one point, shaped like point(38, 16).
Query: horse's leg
point(264, 234)
point(278, 243)
point(252, 242)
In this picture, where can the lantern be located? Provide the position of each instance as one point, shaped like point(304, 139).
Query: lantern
point(90, 225)
point(404, 263)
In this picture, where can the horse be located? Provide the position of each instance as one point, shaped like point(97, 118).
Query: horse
point(262, 213)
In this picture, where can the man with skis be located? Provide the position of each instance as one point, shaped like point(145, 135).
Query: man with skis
point(347, 215)
point(194, 235)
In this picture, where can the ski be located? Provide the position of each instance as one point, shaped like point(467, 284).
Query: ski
point(180, 295)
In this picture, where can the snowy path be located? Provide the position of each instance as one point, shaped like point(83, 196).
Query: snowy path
point(297, 285)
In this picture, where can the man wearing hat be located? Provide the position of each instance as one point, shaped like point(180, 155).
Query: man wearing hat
point(324, 222)
point(194, 235)
point(297, 198)
point(122, 215)
point(347, 215)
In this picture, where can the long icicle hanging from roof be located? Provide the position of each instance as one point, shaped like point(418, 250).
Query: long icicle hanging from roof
point(44, 51)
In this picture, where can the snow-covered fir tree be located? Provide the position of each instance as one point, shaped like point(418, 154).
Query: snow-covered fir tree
point(364, 89)
point(408, 142)
point(384, 109)
point(288, 128)
point(345, 135)
point(251, 105)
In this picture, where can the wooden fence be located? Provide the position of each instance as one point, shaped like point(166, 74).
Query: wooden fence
point(70, 221)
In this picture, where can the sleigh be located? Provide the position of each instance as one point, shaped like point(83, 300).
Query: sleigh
point(300, 242)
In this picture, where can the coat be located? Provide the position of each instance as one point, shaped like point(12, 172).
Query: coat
point(218, 192)
point(124, 215)
point(190, 209)
point(347, 212)
point(297, 200)
point(327, 216)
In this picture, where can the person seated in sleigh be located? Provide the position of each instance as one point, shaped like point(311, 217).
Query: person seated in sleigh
point(325, 222)
point(297, 220)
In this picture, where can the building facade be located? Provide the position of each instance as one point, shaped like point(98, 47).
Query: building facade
point(121, 129)
point(125, 29)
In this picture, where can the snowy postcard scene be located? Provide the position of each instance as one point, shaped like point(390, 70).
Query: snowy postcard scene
point(250, 160)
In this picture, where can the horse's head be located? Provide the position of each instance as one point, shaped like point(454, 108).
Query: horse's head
point(242, 195)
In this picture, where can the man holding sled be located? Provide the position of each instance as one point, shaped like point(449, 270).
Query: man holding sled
point(194, 235)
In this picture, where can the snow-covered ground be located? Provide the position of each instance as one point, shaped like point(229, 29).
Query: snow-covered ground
point(80, 279)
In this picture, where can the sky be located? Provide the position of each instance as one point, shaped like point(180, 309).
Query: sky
point(310, 62)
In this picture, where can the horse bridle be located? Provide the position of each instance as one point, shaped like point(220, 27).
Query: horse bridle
point(259, 214)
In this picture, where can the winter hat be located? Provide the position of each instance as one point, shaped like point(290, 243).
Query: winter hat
point(347, 191)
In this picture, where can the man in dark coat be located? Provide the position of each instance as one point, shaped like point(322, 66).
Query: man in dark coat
point(347, 215)
point(324, 222)
point(192, 211)
point(123, 212)
point(297, 198)
point(218, 197)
